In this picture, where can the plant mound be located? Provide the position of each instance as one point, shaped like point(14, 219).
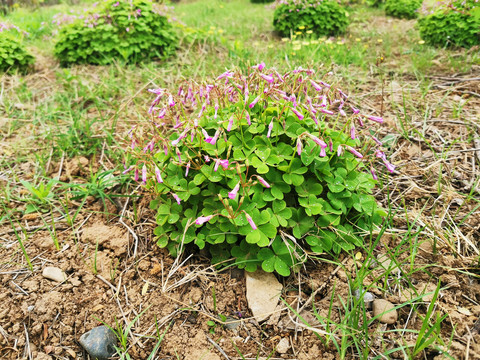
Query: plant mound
point(454, 24)
point(264, 168)
point(261, 1)
point(128, 30)
point(14, 56)
point(321, 17)
point(403, 9)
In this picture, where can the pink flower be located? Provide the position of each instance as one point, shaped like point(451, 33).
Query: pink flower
point(207, 158)
point(318, 141)
point(144, 174)
point(216, 110)
point(260, 66)
point(233, 194)
point(352, 132)
point(263, 182)
point(267, 78)
point(171, 103)
point(355, 110)
point(299, 147)
point(248, 118)
point(230, 124)
point(127, 29)
point(375, 118)
point(224, 164)
point(203, 219)
point(374, 175)
point(250, 221)
point(225, 75)
point(270, 127)
point(254, 102)
point(175, 196)
point(325, 111)
point(339, 150)
point(299, 115)
point(127, 170)
point(136, 175)
point(158, 176)
point(377, 141)
point(330, 145)
point(218, 162)
point(390, 167)
point(215, 137)
point(315, 85)
point(179, 155)
point(354, 152)
point(165, 149)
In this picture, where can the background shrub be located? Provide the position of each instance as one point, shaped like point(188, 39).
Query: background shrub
point(132, 31)
point(13, 53)
point(260, 168)
point(321, 17)
point(406, 9)
point(262, 1)
point(455, 24)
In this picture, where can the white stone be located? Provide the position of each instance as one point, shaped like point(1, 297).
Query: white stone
point(283, 346)
point(54, 273)
point(263, 293)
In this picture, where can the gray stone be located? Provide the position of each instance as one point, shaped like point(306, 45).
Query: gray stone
point(54, 273)
point(231, 323)
point(368, 298)
point(99, 342)
point(263, 293)
point(385, 310)
point(388, 265)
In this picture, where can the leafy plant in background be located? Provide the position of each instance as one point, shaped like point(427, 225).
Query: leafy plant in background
point(131, 31)
point(319, 17)
point(260, 167)
point(262, 1)
point(14, 56)
point(455, 23)
point(407, 9)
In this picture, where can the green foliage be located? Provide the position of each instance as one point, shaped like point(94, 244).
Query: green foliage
point(262, 1)
point(458, 25)
point(131, 31)
point(406, 9)
point(264, 188)
point(323, 18)
point(14, 56)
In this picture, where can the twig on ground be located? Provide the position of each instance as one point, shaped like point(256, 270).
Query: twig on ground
point(219, 349)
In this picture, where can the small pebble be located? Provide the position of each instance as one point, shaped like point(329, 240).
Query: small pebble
point(368, 298)
point(390, 315)
point(99, 342)
point(283, 346)
point(54, 273)
point(231, 323)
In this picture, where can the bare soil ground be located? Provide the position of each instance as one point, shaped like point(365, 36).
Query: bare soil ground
point(115, 272)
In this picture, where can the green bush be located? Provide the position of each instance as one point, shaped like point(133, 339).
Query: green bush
point(131, 31)
point(13, 54)
point(322, 17)
point(406, 9)
point(455, 25)
point(262, 1)
point(264, 168)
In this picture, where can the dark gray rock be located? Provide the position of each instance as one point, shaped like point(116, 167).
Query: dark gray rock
point(99, 342)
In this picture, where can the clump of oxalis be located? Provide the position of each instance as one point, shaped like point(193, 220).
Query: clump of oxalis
point(265, 168)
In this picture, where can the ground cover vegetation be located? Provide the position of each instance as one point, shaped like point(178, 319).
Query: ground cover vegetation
point(456, 24)
point(407, 9)
point(13, 53)
point(75, 195)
